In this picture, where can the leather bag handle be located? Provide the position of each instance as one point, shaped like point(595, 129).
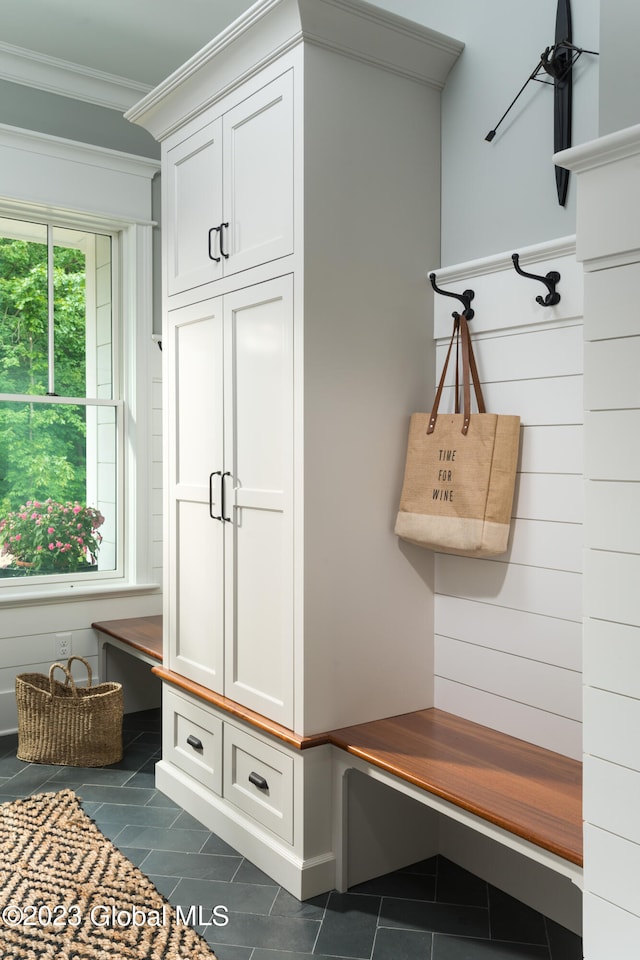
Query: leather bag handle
point(469, 373)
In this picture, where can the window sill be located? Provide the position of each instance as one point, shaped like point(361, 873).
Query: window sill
point(26, 595)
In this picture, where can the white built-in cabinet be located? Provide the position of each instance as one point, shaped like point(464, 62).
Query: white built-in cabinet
point(229, 189)
point(229, 496)
point(301, 174)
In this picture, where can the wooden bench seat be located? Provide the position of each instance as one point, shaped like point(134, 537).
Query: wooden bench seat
point(515, 792)
point(140, 637)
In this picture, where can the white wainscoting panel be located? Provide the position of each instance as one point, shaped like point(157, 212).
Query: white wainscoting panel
point(612, 515)
point(609, 930)
point(549, 592)
point(535, 684)
point(551, 449)
point(538, 402)
point(611, 656)
point(612, 865)
point(611, 374)
point(28, 643)
point(517, 719)
point(549, 496)
point(611, 448)
point(533, 543)
point(518, 632)
point(611, 587)
point(609, 738)
point(610, 298)
point(508, 629)
point(612, 797)
point(609, 245)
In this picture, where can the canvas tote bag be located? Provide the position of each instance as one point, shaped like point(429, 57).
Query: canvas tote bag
point(460, 469)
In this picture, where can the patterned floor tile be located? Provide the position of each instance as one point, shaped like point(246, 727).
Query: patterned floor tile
point(430, 910)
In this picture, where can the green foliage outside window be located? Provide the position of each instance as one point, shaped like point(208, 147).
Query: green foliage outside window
point(42, 446)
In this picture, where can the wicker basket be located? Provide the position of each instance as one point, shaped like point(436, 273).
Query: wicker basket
point(62, 723)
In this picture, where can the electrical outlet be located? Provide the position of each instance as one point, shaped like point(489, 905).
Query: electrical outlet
point(63, 645)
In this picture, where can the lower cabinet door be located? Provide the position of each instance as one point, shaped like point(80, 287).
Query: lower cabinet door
point(192, 740)
point(258, 779)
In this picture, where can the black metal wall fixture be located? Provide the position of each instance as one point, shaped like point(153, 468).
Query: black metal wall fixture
point(557, 62)
point(550, 280)
point(465, 297)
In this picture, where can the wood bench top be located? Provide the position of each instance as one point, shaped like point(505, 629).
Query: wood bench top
point(141, 633)
point(525, 789)
point(529, 791)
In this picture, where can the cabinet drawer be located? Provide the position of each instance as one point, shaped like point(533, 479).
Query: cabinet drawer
point(258, 778)
point(192, 740)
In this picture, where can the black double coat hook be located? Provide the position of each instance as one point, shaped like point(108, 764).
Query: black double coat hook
point(550, 281)
point(465, 298)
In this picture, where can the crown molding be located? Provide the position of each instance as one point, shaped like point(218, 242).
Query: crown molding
point(619, 145)
point(60, 148)
point(269, 28)
point(41, 72)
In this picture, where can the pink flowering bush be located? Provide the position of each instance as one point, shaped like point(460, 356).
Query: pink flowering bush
point(52, 537)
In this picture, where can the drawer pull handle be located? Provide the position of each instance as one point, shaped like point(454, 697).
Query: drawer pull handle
point(194, 742)
point(258, 781)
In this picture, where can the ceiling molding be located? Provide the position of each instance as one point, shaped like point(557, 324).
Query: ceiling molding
point(32, 69)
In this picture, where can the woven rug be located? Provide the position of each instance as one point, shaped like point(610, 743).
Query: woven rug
point(67, 893)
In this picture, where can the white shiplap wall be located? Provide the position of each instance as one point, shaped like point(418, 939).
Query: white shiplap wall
point(508, 646)
point(608, 245)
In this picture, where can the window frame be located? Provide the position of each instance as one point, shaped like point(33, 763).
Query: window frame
point(104, 192)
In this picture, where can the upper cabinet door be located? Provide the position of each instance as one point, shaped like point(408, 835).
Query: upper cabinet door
point(258, 177)
point(229, 191)
point(193, 196)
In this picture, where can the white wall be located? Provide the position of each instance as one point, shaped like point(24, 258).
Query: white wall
point(508, 646)
point(608, 243)
point(620, 71)
point(503, 194)
point(494, 195)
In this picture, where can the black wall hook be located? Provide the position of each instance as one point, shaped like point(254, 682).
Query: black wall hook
point(550, 281)
point(465, 298)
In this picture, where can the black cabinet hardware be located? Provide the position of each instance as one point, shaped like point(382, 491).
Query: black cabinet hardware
point(224, 516)
point(258, 781)
point(216, 473)
point(194, 742)
point(221, 229)
point(212, 255)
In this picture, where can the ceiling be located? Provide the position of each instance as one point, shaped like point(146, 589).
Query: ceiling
point(140, 40)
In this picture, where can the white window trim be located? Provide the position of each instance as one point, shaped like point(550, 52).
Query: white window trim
point(51, 178)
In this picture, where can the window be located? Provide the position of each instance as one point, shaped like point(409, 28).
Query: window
point(80, 417)
point(60, 402)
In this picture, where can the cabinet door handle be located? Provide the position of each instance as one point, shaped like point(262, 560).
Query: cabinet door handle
point(258, 781)
point(216, 473)
point(224, 517)
point(194, 742)
point(221, 229)
point(214, 230)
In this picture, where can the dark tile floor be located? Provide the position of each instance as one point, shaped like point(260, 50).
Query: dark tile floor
point(431, 911)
